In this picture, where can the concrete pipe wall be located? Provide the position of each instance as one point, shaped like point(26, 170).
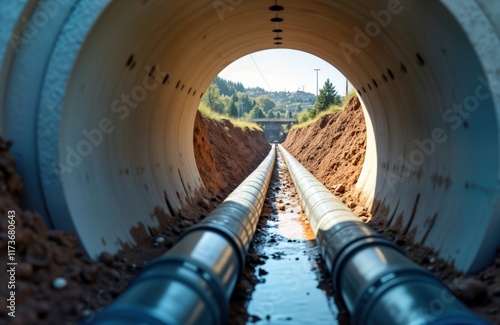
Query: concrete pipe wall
point(100, 97)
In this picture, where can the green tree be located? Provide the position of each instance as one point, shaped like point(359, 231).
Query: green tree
point(270, 114)
point(232, 110)
point(245, 102)
point(213, 99)
point(227, 87)
point(288, 114)
point(239, 87)
point(224, 87)
point(266, 103)
point(328, 95)
point(257, 112)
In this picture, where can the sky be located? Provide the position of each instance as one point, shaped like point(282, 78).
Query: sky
point(283, 69)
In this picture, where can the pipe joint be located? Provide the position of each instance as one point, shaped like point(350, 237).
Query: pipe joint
point(226, 229)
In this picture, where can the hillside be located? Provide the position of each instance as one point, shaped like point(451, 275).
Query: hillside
point(339, 139)
point(234, 100)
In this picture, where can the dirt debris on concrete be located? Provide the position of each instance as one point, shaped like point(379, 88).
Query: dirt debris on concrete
point(56, 283)
point(333, 149)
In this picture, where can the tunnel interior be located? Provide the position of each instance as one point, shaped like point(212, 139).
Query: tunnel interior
point(107, 107)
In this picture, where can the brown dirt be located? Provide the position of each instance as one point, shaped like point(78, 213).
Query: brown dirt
point(211, 142)
point(339, 139)
point(333, 149)
point(46, 257)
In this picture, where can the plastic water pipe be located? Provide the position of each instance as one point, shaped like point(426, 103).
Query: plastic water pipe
point(193, 282)
point(377, 282)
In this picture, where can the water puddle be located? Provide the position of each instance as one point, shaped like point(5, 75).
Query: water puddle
point(294, 287)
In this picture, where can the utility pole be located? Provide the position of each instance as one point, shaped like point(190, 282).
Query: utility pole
point(346, 87)
point(317, 85)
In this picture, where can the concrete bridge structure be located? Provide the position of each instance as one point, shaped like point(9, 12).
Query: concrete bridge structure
point(274, 127)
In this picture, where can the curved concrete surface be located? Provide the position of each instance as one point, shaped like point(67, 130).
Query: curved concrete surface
point(100, 98)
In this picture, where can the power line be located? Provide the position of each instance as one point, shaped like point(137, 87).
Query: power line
point(261, 73)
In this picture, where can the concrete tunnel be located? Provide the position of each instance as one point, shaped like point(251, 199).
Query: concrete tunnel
point(100, 96)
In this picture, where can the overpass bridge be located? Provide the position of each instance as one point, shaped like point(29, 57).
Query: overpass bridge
point(274, 127)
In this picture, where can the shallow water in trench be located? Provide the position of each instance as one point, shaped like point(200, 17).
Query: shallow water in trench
point(295, 287)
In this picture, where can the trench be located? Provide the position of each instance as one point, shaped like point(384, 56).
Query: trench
point(290, 281)
point(105, 109)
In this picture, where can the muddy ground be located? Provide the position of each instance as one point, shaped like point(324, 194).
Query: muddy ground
point(333, 149)
point(56, 283)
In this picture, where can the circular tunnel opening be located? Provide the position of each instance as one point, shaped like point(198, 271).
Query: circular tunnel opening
point(276, 89)
point(111, 100)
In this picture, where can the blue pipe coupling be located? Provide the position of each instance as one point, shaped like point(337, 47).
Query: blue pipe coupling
point(192, 283)
point(377, 282)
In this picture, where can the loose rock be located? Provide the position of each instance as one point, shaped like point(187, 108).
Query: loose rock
point(59, 283)
point(469, 290)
